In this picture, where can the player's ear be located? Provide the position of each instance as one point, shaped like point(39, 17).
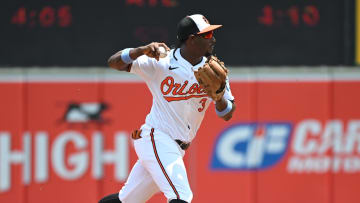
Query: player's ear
point(191, 39)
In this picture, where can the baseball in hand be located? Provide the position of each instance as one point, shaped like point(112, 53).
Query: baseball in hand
point(162, 51)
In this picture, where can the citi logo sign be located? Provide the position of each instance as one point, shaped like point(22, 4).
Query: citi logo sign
point(248, 146)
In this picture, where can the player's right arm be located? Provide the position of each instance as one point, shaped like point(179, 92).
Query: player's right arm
point(117, 62)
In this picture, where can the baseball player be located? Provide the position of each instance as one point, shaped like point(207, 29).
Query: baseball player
point(183, 84)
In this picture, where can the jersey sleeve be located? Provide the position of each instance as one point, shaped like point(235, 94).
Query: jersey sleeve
point(228, 95)
point(144, 66)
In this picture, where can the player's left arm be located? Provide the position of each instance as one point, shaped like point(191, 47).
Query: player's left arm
point(222, 105)
point(225, 107)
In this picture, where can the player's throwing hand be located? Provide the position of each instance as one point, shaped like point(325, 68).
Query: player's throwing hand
point(152, 50)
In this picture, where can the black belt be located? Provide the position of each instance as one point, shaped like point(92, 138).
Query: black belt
point(183, 145)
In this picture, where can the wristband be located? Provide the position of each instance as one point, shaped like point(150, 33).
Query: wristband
point(226, 110)
point(125, 56)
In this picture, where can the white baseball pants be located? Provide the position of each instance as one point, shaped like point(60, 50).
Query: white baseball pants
point(160, 167)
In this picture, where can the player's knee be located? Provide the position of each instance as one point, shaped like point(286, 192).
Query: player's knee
point(113, 198)
point(177, 201)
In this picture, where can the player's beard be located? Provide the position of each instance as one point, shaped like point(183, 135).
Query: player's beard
point(210, 52)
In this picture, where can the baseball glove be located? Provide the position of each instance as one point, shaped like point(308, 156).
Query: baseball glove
point(212, 76)
point(136, 134)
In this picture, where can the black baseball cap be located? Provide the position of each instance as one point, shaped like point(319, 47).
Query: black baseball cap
point(194, 24)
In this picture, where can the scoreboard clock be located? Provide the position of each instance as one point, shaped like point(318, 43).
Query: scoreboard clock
point(85, 33)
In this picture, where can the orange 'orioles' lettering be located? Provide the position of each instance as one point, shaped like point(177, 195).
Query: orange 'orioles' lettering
point(168, 85)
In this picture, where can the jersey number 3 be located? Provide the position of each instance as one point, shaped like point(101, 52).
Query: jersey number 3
point(202, 102)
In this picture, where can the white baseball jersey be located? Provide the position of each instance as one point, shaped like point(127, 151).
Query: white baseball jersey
point(179, 104)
